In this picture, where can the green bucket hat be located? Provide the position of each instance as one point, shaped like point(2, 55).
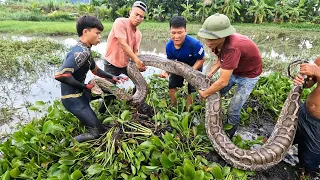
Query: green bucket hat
point(216, 26)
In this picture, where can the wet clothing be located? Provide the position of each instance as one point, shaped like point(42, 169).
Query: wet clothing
point(190, 51)
point(75, 96)
point(122, 28)
point(308, 139)
point(80, 107)
point(241, 55)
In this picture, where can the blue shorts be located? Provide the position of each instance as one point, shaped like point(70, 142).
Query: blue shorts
point(308, 139)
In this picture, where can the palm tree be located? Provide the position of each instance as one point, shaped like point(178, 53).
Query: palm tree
point(158, 13)
point(188, 8)
point(202, 10)
point(103, 12)
point(230, 7)
point(295, 12)
point(123, 11)
point(260, 10)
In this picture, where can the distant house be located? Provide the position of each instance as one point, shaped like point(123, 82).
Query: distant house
point(81, 1)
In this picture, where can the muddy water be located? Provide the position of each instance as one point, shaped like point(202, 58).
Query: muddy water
point(46, 89)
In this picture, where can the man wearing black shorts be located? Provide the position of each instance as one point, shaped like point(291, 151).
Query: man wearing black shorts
point(308, 132)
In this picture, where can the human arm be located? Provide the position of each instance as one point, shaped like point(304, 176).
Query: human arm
point(129, 52)
point(222, 82)
point(71, 64)
point(214, 68)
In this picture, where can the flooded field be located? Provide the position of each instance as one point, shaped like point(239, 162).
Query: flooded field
point(25, 88)
point(30, 78)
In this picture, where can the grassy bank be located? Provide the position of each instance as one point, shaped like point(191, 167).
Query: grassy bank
point(150, 30)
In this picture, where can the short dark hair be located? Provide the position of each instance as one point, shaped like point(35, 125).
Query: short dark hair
point(88, 22)
point(178, 21)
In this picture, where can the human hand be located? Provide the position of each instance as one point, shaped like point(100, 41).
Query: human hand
point(299, 80)
point(164, 74)
point(203, 94)
point(308, 69)
point(140, 65)
point(90, 85)
point(120, 79)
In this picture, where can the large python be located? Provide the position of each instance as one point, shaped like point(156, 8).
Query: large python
point(268, 155)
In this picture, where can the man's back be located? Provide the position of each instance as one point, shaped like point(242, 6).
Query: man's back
point(241, 54)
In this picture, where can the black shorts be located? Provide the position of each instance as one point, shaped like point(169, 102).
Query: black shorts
point(308, 139)
point(110, 68)
point(176, 81)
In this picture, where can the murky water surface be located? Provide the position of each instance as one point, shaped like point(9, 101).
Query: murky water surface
point(45, 88)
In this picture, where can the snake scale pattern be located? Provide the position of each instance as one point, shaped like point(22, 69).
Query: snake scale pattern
point(268, 155)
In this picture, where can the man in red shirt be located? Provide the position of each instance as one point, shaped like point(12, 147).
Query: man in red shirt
point(239, 61)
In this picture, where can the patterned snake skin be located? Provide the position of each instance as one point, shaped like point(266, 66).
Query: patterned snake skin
point(271, 153)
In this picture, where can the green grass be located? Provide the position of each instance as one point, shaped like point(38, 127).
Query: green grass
point(150, 30)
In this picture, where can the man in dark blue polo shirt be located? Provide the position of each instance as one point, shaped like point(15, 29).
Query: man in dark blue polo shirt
point(183, 48)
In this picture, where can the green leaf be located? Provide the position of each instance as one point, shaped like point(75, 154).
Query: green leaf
point(77, 174)
point(54, 170)
point(216, 170)
point(156, 141)
point(153, 177)
point(163, 104)
point(249, 110)
point(67, 162)
point(163, 176)
point(58, 127)
point(185, 122)
point(168, 138)
point(6, 175)
point(95, 169)
point(125, 176)
point(47, 127)
point(107, 120)
point(226, 171)
point(64, 176)
point(152, 168)
point(137, 178)
point(227, 126)
point(238, 172)
point(189, 171)
point(40, 103)
point(34, 108)
point(55, 114)
point(166, 163)
point(133, 169)
point(172, 156)
point(15, 172)
point(124, 115)
point(199, 175)
point(196, 108)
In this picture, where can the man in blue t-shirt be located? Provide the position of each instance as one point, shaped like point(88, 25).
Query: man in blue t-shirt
point(183, 48)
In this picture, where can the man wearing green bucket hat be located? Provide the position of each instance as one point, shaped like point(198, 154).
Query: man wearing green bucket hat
point(239, 61)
